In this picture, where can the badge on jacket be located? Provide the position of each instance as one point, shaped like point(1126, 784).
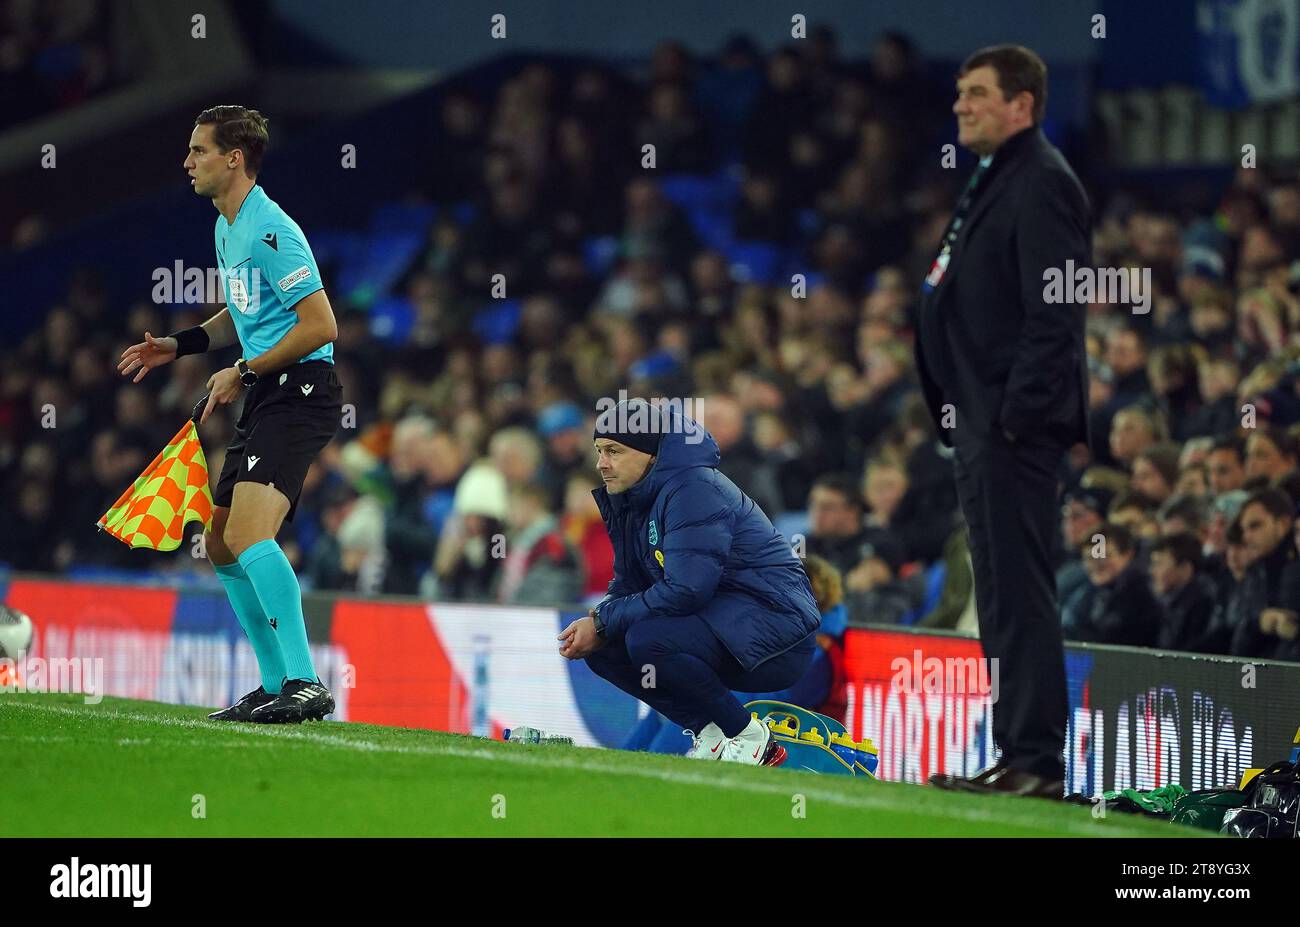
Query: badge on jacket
point(654, 533)
point(938, 268)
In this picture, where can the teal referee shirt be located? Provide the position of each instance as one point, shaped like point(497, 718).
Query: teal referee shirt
point(266, 267)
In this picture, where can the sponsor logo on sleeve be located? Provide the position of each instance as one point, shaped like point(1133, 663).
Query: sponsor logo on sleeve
point(299, 275)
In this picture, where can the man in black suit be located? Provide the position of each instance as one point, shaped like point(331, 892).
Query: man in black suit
point(1004, 374)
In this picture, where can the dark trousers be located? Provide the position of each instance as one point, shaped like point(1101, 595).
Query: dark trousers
point(679, 668)
point(1008, 494)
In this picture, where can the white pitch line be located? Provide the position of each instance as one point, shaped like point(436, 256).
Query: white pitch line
point(718, 778)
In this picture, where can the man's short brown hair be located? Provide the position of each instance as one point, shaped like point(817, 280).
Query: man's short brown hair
point(238, 127)
point(1018, 70)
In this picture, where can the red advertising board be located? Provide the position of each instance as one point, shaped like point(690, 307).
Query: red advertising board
point(403, 675)
point(925, 701)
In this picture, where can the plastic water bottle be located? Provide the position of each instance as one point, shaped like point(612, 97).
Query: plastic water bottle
point(522, 735)
point(531, 735)
point(481, 725)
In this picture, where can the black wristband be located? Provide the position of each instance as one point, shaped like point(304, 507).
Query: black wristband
point(191, 341)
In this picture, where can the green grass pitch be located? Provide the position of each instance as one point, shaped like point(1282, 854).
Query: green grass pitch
point(130, 768)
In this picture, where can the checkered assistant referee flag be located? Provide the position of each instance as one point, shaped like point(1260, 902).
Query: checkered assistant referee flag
point(171, 492)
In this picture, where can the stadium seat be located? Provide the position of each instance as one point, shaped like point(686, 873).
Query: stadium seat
point(600, 254)
point(713, 227)
point(387, 258)
point(330, 246)
point(392, 318)
point(755, 261)
point(403, 217)
point(691, 190)
point(498, 321)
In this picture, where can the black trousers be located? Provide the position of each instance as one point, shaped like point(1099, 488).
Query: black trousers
point(1008, 493)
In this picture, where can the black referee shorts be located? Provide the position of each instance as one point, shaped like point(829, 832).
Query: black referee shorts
point(288, 418)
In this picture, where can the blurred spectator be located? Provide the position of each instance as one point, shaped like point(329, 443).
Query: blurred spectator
point(472, 543)
point(584, 530)
point(1227, 464)
point(1123, 609)
point(679, 135)
point(1155, 471)
point(1270, 453)
point(539, 567)
point(1132, 431)
point(563, 427)
point(353, 557)
point(724, 418)
point(1186, 597)
point(1270, 586)
point(1082, 516)
point(1182, 514)
point(837, 533)
point(409, 537)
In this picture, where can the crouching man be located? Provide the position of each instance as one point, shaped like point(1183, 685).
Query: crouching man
point(707, 596)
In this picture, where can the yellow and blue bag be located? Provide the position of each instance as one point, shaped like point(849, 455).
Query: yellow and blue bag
point(816, 742)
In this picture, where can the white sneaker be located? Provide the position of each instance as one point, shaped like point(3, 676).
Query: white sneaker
point(707, 745)
point(754, 746)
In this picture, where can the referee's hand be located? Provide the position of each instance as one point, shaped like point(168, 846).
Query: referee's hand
point(148, 354)
point(223, 387)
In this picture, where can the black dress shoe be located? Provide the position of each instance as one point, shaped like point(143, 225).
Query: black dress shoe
point(1009, 781)
point(959, 783)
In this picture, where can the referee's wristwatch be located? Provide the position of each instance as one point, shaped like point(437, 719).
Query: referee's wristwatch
point(596, 621)
point(247, 375)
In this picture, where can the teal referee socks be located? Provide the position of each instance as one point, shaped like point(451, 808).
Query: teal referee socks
point(277, 588)
point(248, 609)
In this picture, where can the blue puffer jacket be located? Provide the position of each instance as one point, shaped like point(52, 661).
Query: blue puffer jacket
point(688, 542)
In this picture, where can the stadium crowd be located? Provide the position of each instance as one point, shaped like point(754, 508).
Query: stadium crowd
point(54, 55)
point(466, 470)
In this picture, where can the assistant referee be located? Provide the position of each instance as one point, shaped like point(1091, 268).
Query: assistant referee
point(283, 321)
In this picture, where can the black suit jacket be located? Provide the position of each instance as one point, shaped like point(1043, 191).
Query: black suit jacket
point(986, 339)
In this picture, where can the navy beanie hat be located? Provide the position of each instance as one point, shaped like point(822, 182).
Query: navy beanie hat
point(633, 422)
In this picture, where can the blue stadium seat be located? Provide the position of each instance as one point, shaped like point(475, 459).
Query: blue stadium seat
point(714, 227)
point(403, 217)
point(464, 213)
point(756, 261)
point(498, 321)
point(387, 258)
point(600, 254)
point(331, 246)
point(697, 190)
point(392, 318)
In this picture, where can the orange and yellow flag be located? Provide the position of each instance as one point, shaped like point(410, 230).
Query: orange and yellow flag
point(171, 492)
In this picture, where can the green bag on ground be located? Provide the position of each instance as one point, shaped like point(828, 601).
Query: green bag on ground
point(1156, 801)
point(1205, 808)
